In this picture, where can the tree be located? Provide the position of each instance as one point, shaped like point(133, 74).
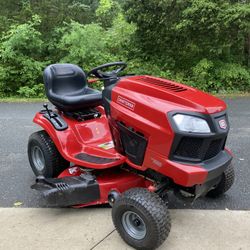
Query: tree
point(85, 45)
point(188, 34)
point(53, 13)
point(106, 12)
point(20, 52)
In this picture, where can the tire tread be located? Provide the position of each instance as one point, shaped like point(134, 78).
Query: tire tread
point(55, 163)
point(153, 207)
point(225, 184)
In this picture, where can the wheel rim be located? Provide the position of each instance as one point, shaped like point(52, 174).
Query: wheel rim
point(38, 158)
point(134, 225)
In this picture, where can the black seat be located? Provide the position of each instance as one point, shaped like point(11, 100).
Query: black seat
point(67, 88)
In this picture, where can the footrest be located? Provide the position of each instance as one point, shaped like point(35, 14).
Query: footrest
point(94, 159)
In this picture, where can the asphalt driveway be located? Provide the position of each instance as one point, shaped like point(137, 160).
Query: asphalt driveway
point(16, 176)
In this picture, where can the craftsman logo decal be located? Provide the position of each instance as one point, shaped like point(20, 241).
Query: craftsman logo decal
point(223, 124)
point(126, 103)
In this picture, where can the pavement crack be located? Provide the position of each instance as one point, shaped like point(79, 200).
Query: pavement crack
point(99, 242)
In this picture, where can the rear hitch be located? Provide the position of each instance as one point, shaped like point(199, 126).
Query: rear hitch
point(68, 191)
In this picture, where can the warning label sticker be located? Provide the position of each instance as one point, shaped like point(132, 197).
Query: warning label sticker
point(107, 145)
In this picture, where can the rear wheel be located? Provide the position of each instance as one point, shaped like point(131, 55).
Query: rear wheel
point(44, 157)
point(141, 218)
point(225, 183)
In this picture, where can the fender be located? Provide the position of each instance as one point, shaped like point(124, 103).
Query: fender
point(84, 138)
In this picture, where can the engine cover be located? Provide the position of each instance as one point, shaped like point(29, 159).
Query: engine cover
point(137, 108)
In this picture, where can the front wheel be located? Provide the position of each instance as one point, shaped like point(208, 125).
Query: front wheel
point(44, 157)
point(227, 180)
point(141, 218)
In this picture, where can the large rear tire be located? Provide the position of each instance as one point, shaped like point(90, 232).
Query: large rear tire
point(227, 180)
point(141, 218)
point(44, 157)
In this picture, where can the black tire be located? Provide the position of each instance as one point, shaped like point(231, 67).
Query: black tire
point(152, 215)
point(225, 183)
point(44, 157)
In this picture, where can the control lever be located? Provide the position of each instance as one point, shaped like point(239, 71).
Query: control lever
point(45, 105)
point(54, 118)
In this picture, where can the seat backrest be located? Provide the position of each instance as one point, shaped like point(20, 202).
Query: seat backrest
point(64, 78)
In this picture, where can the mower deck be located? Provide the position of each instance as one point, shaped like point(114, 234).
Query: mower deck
point(85, 188)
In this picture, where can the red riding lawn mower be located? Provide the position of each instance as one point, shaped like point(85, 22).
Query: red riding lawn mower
point(129, 146)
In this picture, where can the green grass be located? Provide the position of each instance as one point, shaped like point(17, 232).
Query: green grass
point(232, 94)
point(21, 99)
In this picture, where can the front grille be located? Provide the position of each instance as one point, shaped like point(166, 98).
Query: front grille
point(189, 147)
point(214, 148)
point(198, 149)
point(194, 148)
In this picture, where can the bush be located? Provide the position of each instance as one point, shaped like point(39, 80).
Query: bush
point(139, 67)
point(219, 76)
point(36, 91)
point(91, 45)
point(20, 52)
point(200, 42)
point(85, 45)
point(203, 76)
point(106, 12)
point(233, 77)
point(119, 37)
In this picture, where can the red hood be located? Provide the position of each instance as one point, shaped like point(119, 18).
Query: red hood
point(162, 90)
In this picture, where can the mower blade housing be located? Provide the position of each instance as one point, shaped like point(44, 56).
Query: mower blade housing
point(68, 191)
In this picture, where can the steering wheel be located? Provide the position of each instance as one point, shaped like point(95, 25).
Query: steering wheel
point(99, 73)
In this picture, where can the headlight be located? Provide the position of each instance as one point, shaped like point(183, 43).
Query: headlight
point(188, 123)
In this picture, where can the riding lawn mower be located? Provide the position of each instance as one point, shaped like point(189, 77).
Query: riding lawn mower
point(129, 145)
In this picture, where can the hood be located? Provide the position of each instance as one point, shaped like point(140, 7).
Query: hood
point(160, 90)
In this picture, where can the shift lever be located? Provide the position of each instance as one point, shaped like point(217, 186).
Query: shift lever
point(45, 105)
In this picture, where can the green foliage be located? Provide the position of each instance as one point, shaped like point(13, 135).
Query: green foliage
point(52, 13)
point(203, 43)
point(85, 45)
point(119, 37)
point(149, 68)
point(233, 76)
point(91, 45)
point(189, 29)
point(107, 12)
point(20, 50)
point(203, 73)
point(37, 91)
point(219, 77)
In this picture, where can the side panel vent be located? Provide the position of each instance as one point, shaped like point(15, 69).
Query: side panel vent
point(166, 84)
point(134, 144)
